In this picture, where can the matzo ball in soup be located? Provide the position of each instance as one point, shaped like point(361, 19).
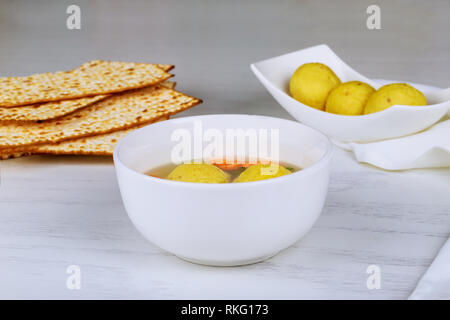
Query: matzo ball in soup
point(259, 172)
point(198, 172)
point(214, 172)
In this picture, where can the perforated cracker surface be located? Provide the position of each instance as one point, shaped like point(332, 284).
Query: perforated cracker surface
point(91, 78)
point(51, 110)
point(118, 112)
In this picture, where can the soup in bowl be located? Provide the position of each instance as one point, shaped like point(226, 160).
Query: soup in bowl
point(268, 186)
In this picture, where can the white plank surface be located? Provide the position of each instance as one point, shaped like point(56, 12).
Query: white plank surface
point(58, 211)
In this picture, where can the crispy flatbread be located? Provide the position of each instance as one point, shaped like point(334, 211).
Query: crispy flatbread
point(52, 110)
point(91, 78)
point(165, 67)
point(169, 84)
point(118, 112)
point(102, 145)
point(47, 110)
point(7, 156)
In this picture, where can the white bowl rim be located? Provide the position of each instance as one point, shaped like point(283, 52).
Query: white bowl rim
point(315, 166)
point(378, 114)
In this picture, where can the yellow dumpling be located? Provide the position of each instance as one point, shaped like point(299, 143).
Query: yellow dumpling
point(198, 172)
point(392, 94)
point(311, 83)
point(349, 98)
point(259, 172)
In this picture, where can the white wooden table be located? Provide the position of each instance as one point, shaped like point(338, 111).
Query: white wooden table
point(61, 211)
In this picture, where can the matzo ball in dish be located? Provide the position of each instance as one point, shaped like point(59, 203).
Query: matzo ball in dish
point(349, 98)
point(392, 94)
point(311, 84)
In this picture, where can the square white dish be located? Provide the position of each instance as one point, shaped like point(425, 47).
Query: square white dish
point(396, 121)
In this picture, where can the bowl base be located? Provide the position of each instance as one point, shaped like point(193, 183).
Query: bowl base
point(232, 263)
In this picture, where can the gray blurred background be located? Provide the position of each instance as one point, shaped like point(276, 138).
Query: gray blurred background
point(212, 43)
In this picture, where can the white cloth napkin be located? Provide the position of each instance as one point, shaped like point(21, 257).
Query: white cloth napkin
point(427, 149)
point(435, 283)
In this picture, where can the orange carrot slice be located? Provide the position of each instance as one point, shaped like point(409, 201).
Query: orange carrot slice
point(222, 164)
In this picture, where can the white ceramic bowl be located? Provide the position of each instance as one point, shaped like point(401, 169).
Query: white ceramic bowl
point(395, 121)
point(223, 224)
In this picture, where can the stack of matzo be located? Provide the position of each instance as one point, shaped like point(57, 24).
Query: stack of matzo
point(86, 110)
